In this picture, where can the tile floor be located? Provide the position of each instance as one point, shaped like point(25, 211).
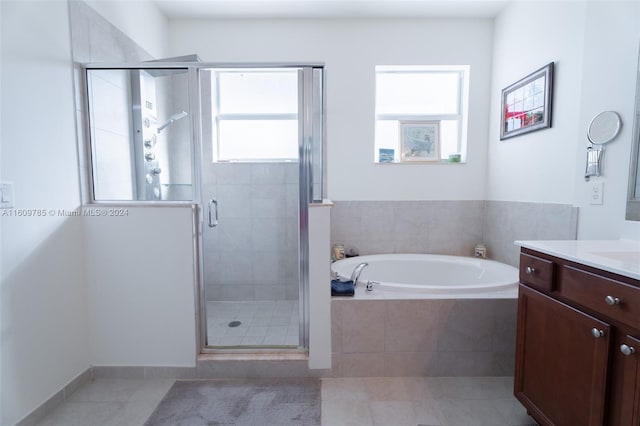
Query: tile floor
point(262, 323)
point(110, 402)
point(411, 401)
point(389, 401)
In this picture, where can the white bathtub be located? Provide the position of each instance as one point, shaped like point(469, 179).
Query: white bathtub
point(429, 276)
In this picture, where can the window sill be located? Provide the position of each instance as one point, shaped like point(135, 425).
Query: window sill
point(423, 163)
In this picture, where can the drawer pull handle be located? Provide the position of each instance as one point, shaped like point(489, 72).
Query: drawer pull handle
point(529, 270)
point(612, 300)
point(627, 350)
point(597, 333)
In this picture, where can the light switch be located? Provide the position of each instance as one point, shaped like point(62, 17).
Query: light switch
point(6, 195)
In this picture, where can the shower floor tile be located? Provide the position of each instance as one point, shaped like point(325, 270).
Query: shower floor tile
point(253, 323)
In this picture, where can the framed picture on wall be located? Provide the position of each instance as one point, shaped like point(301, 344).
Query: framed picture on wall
point(419, 141)
point(526, 104)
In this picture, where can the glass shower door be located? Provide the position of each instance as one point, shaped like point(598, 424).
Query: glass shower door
point(255, 187)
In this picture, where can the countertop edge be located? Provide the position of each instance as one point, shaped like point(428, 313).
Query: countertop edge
point(583, 252)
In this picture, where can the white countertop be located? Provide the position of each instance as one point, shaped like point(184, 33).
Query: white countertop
point(618, 256)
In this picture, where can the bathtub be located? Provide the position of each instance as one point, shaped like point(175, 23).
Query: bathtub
point(429, 276)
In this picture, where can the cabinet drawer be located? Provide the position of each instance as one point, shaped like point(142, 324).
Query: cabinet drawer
point(606, 296)
point(536, 272)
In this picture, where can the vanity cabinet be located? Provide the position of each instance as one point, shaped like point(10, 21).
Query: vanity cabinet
point(578, 343)
point(630, 397)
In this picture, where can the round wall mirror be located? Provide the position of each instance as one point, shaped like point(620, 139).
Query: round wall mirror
point(604, 127)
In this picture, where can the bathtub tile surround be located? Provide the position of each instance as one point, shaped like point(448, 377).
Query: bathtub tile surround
point(353, 339)
point(507, 221)
point(471, 337)
point(449, 227)
point(442, 227)
point(399, 337)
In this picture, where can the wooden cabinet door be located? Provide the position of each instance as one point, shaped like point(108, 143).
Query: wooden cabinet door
point(630, 401)
point(561, 361)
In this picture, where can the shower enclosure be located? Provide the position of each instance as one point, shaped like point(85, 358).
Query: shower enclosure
point(140, 147)
point(244, 143)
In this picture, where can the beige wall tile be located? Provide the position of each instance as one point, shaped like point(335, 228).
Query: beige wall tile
point(363, 326)
point(414, 325)
point(363, 364)
point(410, 364)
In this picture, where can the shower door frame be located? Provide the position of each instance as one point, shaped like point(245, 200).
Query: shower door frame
point(305, 197)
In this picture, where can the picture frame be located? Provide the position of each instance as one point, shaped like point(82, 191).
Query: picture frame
point(419, 141)
point(527, 104)
point(386, 155)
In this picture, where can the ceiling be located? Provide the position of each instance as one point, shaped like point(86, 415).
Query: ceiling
point(262, 9)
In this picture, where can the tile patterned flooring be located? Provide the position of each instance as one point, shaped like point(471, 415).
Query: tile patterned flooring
point(387, 401)
point(110, 402)
point(411, 401)
point(262, 323)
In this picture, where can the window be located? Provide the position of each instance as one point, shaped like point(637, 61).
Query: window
point(435, 95)
point(255, 115)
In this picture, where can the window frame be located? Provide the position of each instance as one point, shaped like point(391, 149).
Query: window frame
point(461, 116)
point(218, 117)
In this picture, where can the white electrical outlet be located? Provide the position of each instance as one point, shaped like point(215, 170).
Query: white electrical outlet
point(596, 192)
point(6, 195)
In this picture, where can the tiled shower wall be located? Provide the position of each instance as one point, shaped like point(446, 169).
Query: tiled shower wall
point(448, 227)
point(95, 39)
point(253, 252)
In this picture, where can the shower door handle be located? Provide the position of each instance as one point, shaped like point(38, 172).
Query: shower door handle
point(213, 213)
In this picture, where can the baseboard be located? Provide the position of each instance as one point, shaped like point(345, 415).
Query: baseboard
point(142, 372)
point(56, 399)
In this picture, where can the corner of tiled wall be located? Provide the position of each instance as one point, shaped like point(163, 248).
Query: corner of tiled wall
point(508, 221)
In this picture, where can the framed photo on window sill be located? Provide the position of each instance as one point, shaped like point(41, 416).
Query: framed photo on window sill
point(526, 104)
point(419, 141)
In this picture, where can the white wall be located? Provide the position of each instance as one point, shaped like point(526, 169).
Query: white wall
point(45, 337)
point(611, 46)
point(351, 49)
point(595, 49)
point(141, 20)
point(319, 293)
point(540, 166)
point(141, 294)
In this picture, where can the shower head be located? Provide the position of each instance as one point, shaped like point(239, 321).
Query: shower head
point(174, 117)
